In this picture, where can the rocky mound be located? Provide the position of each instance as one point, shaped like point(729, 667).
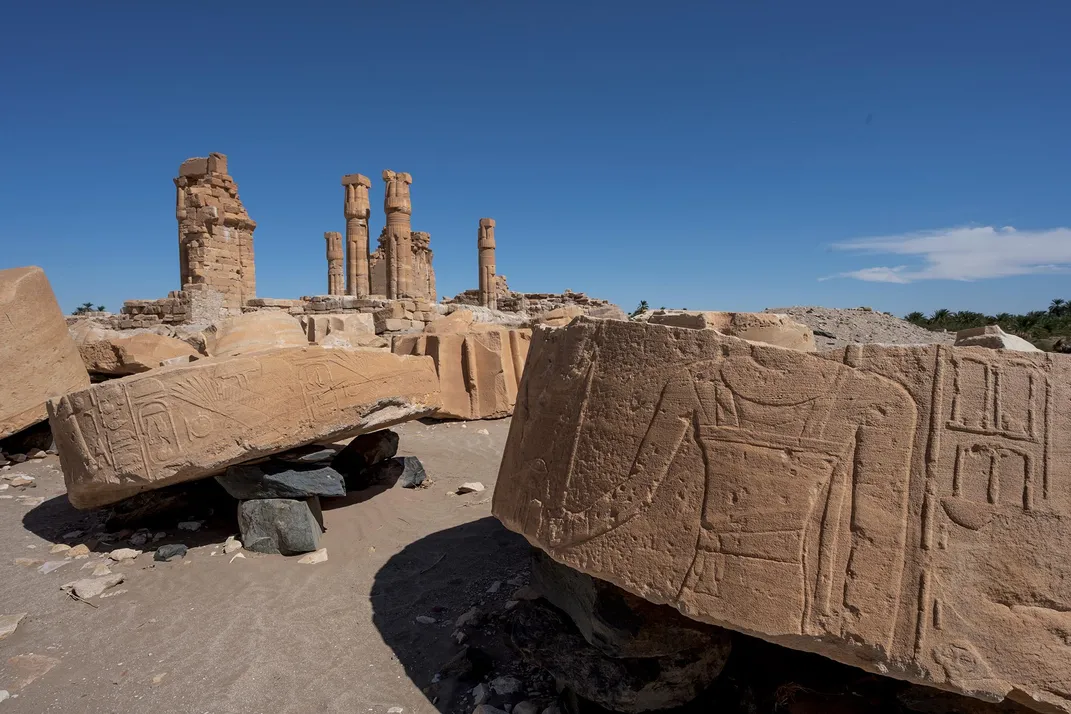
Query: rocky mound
point(834, 327)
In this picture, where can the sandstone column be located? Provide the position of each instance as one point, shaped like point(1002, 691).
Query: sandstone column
point(397, 206)
point(485, 240)
point(334, 263)
point(357, 209)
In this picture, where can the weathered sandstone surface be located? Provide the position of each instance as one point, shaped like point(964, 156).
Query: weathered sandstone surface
point(183, 423)
point(38, 358)
point(479, 365)
point(254, 331)
point(118, 353)
point(906, 510)
point(994, 338)
point(770, 328)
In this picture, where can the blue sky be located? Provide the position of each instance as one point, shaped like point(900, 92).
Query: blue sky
point(734, 155)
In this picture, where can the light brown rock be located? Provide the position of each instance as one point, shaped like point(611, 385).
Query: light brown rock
point(344, 324)
point(38, 358)
point(158, 428)
point(254, 331)
point(485, 244)
point(357, 209)
point(479, 365)
point(767, 327)
point(335, 271)
point(560, 316)
point(906, 510)
point(994, 338)
point(117, 353)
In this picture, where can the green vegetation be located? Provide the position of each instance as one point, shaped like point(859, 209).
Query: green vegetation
point(1042, 327)
point(87, 307)
point(642, 307)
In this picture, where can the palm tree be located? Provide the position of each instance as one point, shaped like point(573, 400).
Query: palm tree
point(916, 317)
point(100, 308)
point(939, 316)
point(1057, 306)
point(642, 307)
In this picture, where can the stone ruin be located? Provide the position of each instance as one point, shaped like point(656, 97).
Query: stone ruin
point(901, 509)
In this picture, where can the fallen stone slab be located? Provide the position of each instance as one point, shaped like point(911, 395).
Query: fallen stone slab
point(88, 588)
point(278, 479)
point(994, 338)
point(117, 353)
point(479, 365)
point(899, 509)
point(180, 424)
point(254, 332)
point(279, 525)
point(38, 358)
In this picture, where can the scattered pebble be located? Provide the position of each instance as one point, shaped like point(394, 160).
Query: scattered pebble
point(482, 431)
point(166, 552)
point(17, 458)
point(20, 481)
point(72, 535)
point(31, 501)
point(471, 487)
point(425, 620)
point(510, 604)
point(79, 551)
point(120, 555)
point(469, 617)
point(495, 586)
point(316, 556)
point(395, 710)
point(100, 570)
point(480, 694)
point(159, 536)
point(36, 454)
point(91, 587)
point(190, 525)
point(139, 539)
point(4, 486)
point(231, 544)
point(8, 623)
point(488, 709)
point(525, 707)
point(4, 694)
point(5, 467)
point(525, 592)
point(59, 548)
point(516, 581)
point(506, 685)
point(52, 565)
point(28, 562)
point(159, 678)
point(237, 556)
point(113, 593)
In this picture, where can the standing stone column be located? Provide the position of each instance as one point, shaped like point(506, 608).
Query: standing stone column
point(399, 209)
point(334, 263)
point(485, 241)
point(357, 209)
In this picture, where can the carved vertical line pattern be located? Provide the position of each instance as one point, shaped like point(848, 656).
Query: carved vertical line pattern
point(933, 454)
point(1046, 457)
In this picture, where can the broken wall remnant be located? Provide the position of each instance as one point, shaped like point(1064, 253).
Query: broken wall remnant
point(485, 242)
point(479, 365)
point(900, 509)
point(38, 358)
point(177, 424)
point(767, 327)
point(357, 209)
point(215, 233)
point(423, 284)
point(335, 275)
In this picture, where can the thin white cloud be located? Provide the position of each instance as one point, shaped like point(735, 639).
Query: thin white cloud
point(970, 253)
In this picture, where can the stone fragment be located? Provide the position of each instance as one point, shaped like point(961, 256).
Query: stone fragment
point(413, 473)
point(120, 353)
point(23, 670)
point(100, 570)
point(38, 358)
point(154, 429)
point(425, 620)
point(308, 454)
point(766, 327)
point(254, 332)
point(560, 316)
point(317, 556)
point(365, 450)
point(165, 553)
point(346, 325)
point(51, 565)
point(8, 623)
point(897, 509)
point(20, 481)
point(121, 555)
point(545, 637)
point(28, 562)
point(613, 620)
point(479, 365)
point(472, 487)
point(273, 479)
point(231, 545)
point(506, 686)
point(36, 454)
point(191, 526)
point(994, 338)
point(480, 693)
point(59, 548)
point(525, 707)
point(4, 694)
point(88, 588)
point(79, 551)
point(279, 525)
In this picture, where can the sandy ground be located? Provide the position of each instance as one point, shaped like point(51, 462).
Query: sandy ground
point(214, 633)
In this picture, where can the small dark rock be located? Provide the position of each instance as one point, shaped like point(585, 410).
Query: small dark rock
point(364, 451)
point(166, 552)
point(308, 454)
point(279, 525)
point(278, 479)
point(404, 471)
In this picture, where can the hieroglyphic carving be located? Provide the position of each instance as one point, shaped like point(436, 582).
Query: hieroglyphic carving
point(183, 423)
point(901, 509)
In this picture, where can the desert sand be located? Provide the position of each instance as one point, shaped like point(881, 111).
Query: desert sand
point(215, 633)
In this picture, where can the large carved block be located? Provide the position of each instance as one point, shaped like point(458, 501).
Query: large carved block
point(183, 423)
point(903, 509)
point(479, 365)
point(38, 358)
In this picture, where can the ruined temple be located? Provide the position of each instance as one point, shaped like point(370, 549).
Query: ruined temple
point(422, 284)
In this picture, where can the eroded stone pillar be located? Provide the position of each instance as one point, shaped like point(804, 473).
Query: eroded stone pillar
point(357, 209)
point(399, 209)
point(334, 263)
point(485, 240)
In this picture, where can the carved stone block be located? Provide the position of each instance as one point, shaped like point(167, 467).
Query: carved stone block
point(906, 510)
point(38, 358)
point(183, 423)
